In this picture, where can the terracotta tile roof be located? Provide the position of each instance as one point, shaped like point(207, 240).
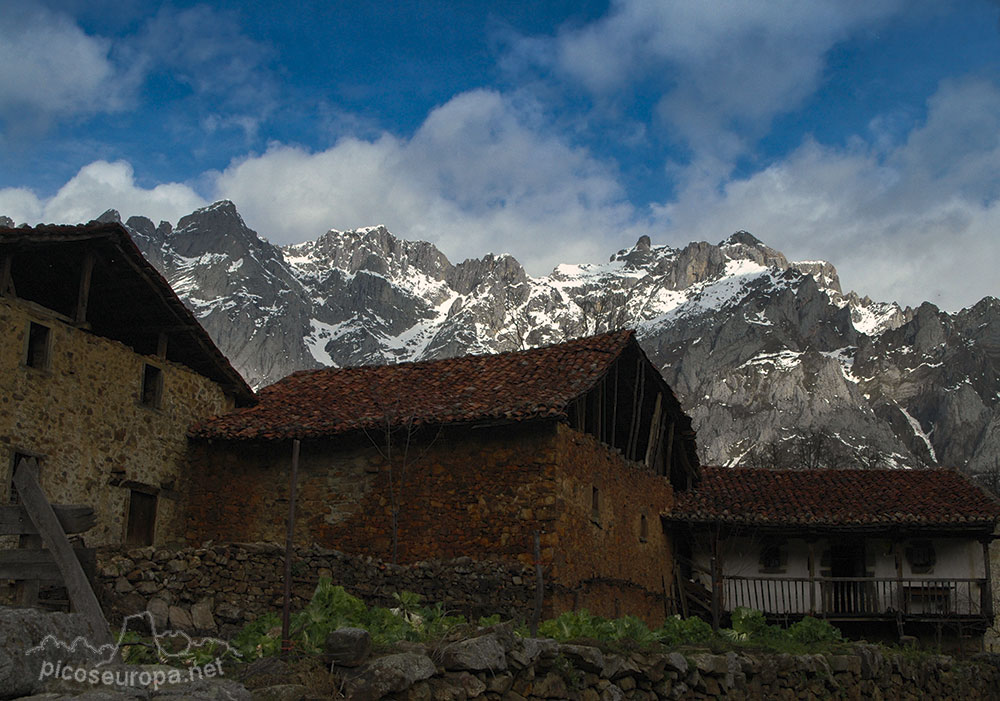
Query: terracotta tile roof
point(515, 386)
point(835, 498)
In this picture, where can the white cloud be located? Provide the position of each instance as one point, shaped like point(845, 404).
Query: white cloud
point(98, 187)
point(50, 69)
point(481, 174)
point(916, 222)
point(723, 70)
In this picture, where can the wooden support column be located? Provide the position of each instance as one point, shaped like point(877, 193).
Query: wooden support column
point(637, 398)
point(655, 429)
point(614, 408)
point(5, 277)
point(812, 576)
point(669, 460)
point(897, 551)
point(161, 345)
point(716, 582)
point(987, 592)
point(83, 294)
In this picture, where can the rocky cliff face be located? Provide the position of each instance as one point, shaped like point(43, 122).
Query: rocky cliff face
point(760, 350)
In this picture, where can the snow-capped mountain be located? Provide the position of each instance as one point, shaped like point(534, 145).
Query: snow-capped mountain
point(761, 351)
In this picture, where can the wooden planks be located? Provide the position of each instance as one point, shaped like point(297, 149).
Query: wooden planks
point(44, 518)
point(74, 518)
point(38, 564)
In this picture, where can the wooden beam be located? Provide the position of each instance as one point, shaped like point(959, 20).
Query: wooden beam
point(38, 564)
point(83, 294)
point(986, 603)
point(637, 397)
point(40, 511)
point(669, 465)
point(614, 408)
point(161, 345)
point(5, 278)
point(74, 518)
point(655, 429)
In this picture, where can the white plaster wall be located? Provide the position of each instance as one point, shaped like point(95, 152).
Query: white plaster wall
point(956, 559)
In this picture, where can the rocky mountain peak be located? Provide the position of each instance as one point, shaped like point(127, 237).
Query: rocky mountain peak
point(7, 222)
point(110, 216)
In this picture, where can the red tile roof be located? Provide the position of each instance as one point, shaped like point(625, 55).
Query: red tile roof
point(835, 498)
point(515, 386)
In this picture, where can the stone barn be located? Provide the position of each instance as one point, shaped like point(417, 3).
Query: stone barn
point(581, 443)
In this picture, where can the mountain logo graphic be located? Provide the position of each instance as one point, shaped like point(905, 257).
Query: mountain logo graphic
point(105, 654)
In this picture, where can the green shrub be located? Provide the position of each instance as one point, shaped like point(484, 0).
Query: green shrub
point(685, 631)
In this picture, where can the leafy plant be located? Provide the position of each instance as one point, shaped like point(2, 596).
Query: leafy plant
point(684, 631)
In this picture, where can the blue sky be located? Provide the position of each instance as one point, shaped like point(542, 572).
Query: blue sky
point(864, 132)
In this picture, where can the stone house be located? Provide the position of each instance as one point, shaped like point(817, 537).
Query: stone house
point(890, 551)
point(102, 371)
point(581, 443)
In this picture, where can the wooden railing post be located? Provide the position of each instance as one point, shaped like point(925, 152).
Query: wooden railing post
point(812, 577)
point(987, 589)
point(897, 549)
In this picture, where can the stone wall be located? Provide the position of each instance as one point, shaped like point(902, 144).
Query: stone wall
point(467, 492)
point(83, 416)
point(498, 665)
point(220, 588)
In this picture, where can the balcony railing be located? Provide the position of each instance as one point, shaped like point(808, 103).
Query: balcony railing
point(849, 597)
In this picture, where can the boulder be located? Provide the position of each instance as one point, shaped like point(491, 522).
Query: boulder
point(348, 647)
point(390, 674)
point(201, 617)
point(484, 653)
point(179, 619)
point(33, 642)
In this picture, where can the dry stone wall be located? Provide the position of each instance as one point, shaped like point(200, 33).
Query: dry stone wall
point(499, 665)
point(220, 588)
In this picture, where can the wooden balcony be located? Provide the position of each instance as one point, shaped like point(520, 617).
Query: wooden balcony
point(849, 598)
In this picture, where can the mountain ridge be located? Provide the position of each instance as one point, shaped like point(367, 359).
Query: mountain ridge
point(763, 352)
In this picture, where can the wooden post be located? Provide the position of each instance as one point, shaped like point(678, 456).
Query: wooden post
point(27, 590)
point(637, 398)
point(83, 293)
point(716, 583)
point(614, 409)
point(812, 577)
point(668, 464)
point(655, 429)
point(987, 595)
point(536, 614)
point(897, 551)
point(287, 600)
point(161, 345)
point(40, 512)
point(5, 276)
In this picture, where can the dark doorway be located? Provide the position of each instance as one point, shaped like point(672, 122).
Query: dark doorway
point(141, 519)
point(847, 567)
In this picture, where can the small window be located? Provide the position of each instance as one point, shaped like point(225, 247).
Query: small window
point(141, 518)
point(921, 556)
point(595, 505)
point(37, 352)
point(643, 529)
point(773, 558)
point(152, 386)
